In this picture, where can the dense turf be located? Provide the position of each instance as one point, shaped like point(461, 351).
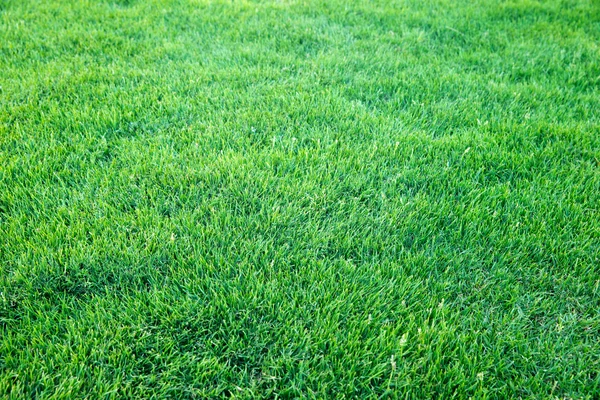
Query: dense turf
point(299, 198)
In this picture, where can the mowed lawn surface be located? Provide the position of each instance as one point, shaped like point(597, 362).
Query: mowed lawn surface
point(299, 199)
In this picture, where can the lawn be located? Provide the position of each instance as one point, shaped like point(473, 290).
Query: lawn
point(299, 199)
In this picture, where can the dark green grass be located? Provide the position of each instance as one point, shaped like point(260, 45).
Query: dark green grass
point(299, 199)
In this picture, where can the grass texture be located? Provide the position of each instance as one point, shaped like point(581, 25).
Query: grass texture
point(299, 199)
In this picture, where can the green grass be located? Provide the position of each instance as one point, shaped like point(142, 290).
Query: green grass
point(261, 199)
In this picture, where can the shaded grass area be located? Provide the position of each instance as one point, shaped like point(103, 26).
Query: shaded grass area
point(299, 199)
